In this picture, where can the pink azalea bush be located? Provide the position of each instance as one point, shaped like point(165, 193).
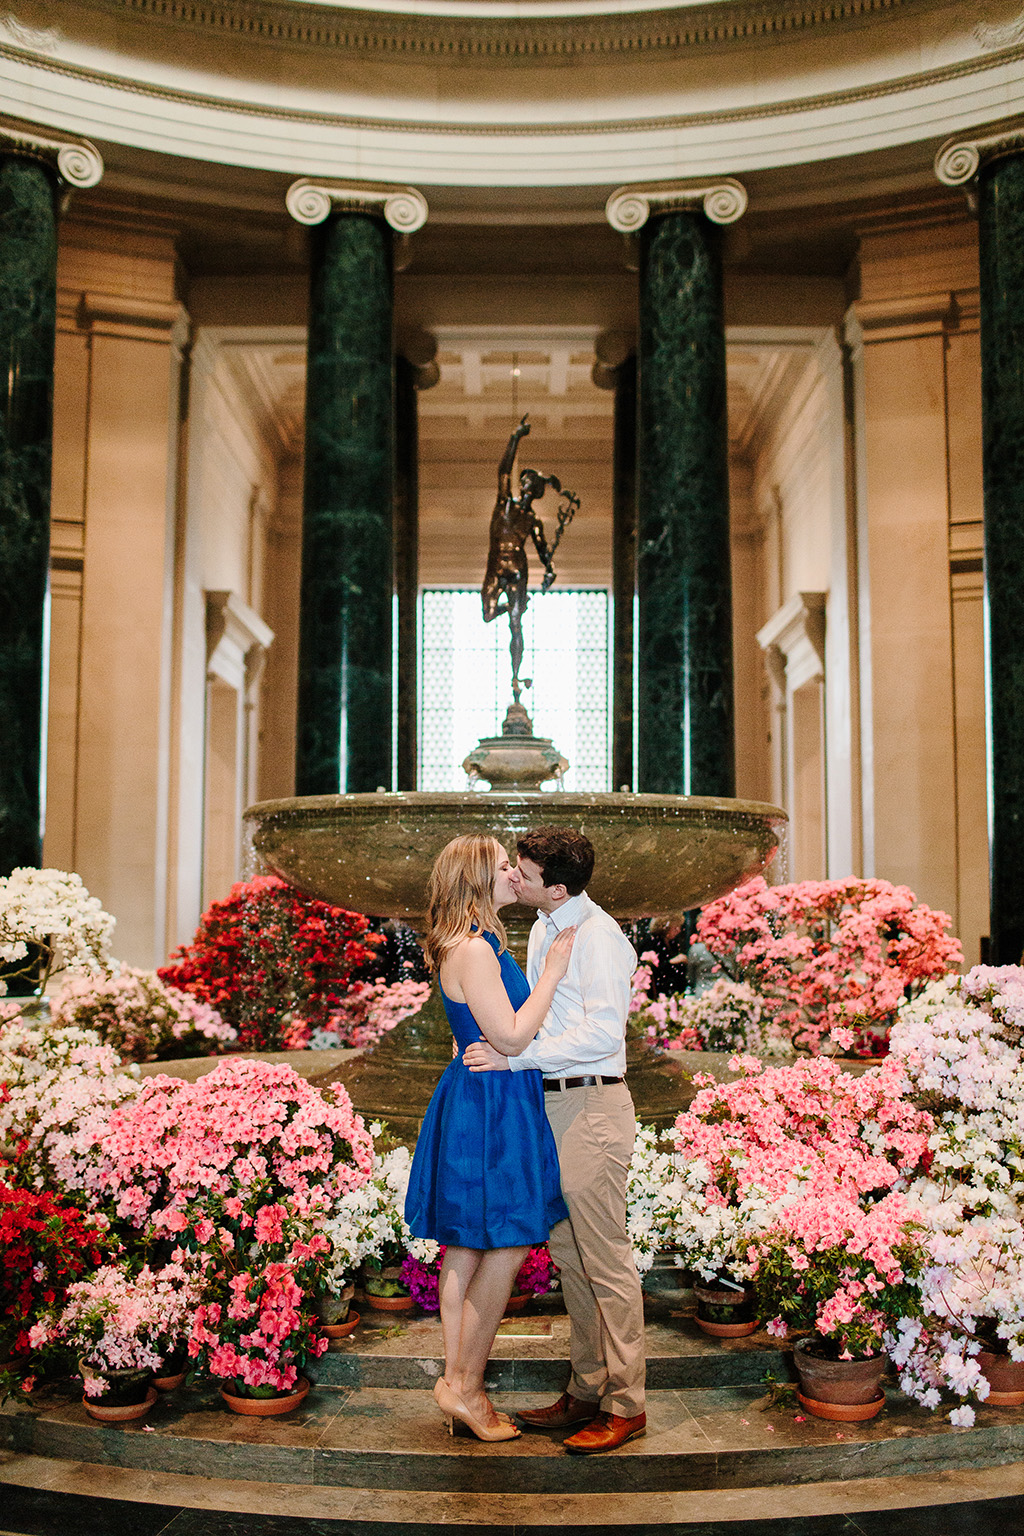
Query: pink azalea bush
point(807, 1131)
point(824, 954)
point(366, 1013)
point(247, 1130)
point(256, 1326)
point(845, 1271)
point(143, 1020)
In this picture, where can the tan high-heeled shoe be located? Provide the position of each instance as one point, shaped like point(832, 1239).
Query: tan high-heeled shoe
point(459, 1420)
point(506, 1418)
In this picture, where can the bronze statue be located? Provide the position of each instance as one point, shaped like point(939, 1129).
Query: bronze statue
point(513, 521)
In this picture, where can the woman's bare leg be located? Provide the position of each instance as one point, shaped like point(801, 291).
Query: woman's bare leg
point(486, 1298)
point(458, 1267)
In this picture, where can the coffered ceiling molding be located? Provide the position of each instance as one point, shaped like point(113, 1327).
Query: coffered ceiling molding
point(309, 202)
point(628, 209)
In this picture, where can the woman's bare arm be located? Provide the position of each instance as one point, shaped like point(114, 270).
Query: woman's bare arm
point(475, 967)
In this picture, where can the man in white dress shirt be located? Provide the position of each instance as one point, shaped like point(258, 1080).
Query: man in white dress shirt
point(581, 1050)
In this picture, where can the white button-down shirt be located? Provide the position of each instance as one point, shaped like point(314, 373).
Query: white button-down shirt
point(584, 1033)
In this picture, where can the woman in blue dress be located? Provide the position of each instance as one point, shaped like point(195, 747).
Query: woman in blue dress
point(484, 1176)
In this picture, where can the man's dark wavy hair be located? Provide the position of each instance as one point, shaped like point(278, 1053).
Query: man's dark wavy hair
point(564, 856)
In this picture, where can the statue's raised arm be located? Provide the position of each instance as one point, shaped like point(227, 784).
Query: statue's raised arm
point(508, 459)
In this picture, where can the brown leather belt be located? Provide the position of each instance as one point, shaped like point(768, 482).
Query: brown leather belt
point(560, 1084)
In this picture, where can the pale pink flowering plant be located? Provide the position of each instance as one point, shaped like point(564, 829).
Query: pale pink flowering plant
point(827, 953)
point(141, 1018)
point(115, 1321)
point(366, 1013)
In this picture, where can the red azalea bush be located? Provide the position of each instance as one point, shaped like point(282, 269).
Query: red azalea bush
point(827, 955)
point(47, 1244)
point(268, 956)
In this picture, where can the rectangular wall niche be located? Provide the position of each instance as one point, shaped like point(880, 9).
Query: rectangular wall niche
point(466, 682)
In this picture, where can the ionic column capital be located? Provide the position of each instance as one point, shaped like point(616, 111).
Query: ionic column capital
point(76, 161)
point(960, 159)
point(309, 202)
point(629, 208)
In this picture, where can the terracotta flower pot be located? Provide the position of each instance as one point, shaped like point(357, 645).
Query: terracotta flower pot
point(389, 1303)
point(340, 1330)
point(827, 1385)
point(111, 1413)
point(724, 1313)
point(169, 1383)
point(516, 1302)
point(120, 1389)
point(1005, 1378)
point(266, 1407)
point(844, 1413)
point(171, 1373)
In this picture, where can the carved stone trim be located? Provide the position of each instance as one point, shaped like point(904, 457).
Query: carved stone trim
point(794, 641)
point(766, 111)
point(960, 159)
point(309, 202)
point(405, 33)
point(628, 209)
point(76, 161)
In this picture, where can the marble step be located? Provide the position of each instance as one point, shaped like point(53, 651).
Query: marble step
point(533, 1358)
point(47, 1497)
point(698, 1439)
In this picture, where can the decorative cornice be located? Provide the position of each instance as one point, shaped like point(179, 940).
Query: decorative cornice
point(629, 208)
point(270, 22)
point(76, 161)
point(763, 111)
point(309, 202)
point(960, 159)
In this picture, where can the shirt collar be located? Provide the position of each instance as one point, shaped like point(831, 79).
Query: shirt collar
point(570, 912)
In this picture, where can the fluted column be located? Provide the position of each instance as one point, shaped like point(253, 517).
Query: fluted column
point(991, 169)
point(33, 171)
point(684, 698)
point(345, 712)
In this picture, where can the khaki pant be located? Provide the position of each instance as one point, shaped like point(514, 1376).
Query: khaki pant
point(594, 1130)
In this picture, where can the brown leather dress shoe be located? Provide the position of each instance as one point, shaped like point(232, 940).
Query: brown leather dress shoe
point(561, 1415)
point(606, 1433)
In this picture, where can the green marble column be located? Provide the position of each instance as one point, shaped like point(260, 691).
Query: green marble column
point(345, 706)
point(406, 566)
point(684, 645)
point(1001, 213)
point(28, 296)
point(623, 571)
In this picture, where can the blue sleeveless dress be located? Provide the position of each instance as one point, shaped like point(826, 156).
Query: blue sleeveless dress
point(485, 1170)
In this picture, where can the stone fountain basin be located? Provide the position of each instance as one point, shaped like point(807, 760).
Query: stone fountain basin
point(657, 855)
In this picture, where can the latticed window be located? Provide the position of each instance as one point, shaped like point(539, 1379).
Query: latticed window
point(466, 681)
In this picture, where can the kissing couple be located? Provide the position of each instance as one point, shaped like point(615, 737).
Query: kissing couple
point(529, 1133)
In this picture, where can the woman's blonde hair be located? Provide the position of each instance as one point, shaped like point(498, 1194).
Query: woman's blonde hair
point(461, 895)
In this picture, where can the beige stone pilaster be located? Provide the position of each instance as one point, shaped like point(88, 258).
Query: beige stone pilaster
point(118, 359)
point(917, 428)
